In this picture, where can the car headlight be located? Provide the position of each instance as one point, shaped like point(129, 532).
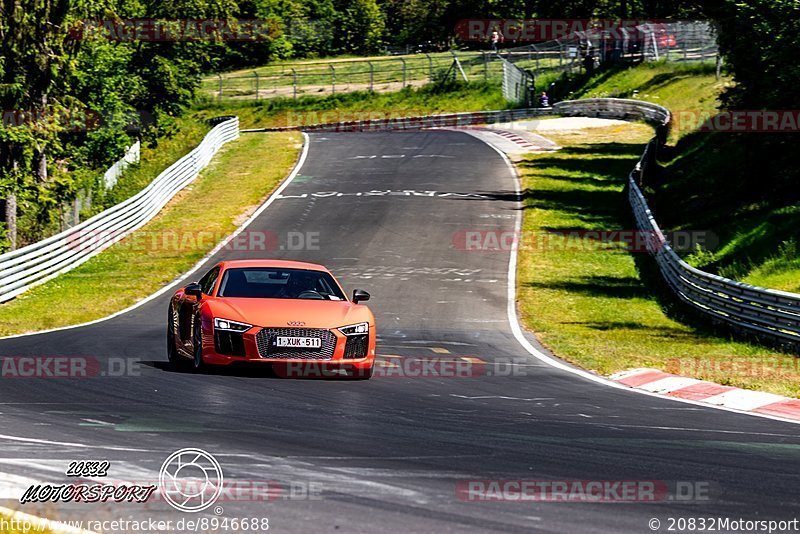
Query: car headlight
point(355, 329)
point(231, 326)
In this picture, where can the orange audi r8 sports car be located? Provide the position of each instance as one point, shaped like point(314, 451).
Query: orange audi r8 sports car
point(291, 314)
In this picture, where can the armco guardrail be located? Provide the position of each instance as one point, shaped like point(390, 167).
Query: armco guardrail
point(41, 261)
point(131, 156)
point(445, 120)
point(765, 312)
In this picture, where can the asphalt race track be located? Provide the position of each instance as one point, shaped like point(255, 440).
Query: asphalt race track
point(387, 455)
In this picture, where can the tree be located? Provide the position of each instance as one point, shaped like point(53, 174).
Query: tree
point(361, 27)
point(32, 37)
point(759, 40)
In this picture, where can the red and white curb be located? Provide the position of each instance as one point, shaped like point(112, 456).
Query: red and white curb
point(680, 387)
point(516, 138)
point(514, 145)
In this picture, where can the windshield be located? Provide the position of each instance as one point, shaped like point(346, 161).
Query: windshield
point(276, 283)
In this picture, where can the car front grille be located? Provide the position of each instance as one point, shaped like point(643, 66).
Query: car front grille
point(265, 340)
point(356, 346)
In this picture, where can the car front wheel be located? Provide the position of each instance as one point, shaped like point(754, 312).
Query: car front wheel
point(199, 364)
point(172, 353)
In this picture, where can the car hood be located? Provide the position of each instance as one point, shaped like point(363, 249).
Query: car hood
point(279, 312)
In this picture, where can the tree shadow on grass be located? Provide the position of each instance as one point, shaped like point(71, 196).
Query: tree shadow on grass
point(612, 170)
point(620, 149)
point(661, 331)
point(598, 286)
point(595, 208)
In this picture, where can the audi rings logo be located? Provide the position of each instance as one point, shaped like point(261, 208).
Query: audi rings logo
point(190, 480)
point(296, 323)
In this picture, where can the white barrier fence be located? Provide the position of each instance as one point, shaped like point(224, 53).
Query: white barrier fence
point(132, 155)
point(39, 262)
point(517, 84)
point(765, 312)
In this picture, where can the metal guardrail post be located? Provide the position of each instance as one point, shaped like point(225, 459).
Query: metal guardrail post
point(719, 66)
point(219, 91)
point(333, 79)
point(403, 60)
point(371, 75)
point(430, 67)
point(258, 88)
point(485, 66)
point(560, 54)
point(537, 59)
point(294, 83)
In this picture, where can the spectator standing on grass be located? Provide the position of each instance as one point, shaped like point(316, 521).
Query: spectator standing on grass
point(588, 63)
point(496, 38)
point(544, 100)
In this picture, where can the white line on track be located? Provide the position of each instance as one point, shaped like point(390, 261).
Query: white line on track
point(68, 444)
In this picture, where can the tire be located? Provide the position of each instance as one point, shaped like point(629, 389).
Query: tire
point(197, 345)
point(174, 358)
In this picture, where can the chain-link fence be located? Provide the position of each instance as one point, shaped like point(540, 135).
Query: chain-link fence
point(341, 76)
point(680, 41)
point(518, 84)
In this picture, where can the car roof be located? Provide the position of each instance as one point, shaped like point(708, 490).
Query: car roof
point(281, 264)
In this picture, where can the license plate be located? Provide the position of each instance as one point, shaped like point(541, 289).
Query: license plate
point(298, 342)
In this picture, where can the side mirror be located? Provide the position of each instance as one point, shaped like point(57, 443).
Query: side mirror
point(359, 295)
point(194, 289)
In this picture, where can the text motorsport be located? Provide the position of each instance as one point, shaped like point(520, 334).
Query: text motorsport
point(87, 493)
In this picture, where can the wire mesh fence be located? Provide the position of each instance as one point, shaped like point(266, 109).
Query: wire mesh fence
point(679, 41)
point(325, 78)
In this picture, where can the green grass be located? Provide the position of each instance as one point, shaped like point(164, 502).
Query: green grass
point(588, 302)
point(147, 260)
point(359, 105)
point(715, 183)
point(678, 87)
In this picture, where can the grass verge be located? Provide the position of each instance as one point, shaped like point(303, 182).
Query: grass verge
point(689, 90)
point(588, 302)
point(188, 227)
point(739, 189)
